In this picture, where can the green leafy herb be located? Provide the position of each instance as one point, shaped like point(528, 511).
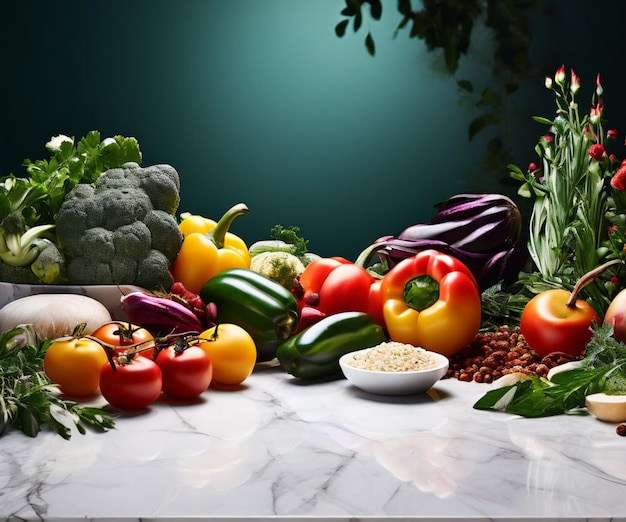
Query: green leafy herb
point(290, 235)
point(28, 401)
point(538, 397)
point(500, 306)
point(70, 163)
point(603, 369)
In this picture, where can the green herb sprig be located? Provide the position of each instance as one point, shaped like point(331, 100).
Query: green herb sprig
point(28, 401)
point(290, 235)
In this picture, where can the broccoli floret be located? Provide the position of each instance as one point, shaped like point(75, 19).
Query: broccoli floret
point(122, 230)
point(133, 241)
point(85, 270)
point(162, 184)
point(162, 225)
point(98, 242)
point(153, 271)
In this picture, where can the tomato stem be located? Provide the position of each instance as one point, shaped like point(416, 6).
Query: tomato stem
point(588, 278)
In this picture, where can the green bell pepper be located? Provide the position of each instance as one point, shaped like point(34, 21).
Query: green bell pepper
point(314, 353)
point(265, 309)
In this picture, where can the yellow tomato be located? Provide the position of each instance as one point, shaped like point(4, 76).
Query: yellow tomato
point(74, 364)
point(232, 352)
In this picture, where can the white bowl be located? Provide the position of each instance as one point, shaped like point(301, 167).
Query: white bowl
point(394, 382)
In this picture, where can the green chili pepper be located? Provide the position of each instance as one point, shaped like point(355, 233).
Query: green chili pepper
point(265, 309)
point(314, 353)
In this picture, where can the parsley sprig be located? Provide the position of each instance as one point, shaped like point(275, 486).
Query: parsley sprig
point(28, 401)
point(291, 236)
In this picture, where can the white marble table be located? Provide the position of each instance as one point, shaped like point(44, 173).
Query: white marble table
point(280, 449)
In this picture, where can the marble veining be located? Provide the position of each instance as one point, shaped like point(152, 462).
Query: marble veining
point(280, 449)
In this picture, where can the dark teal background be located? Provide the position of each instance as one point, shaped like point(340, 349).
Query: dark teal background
point(258, 101)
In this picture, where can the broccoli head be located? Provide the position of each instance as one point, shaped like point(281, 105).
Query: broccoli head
point(122, 229)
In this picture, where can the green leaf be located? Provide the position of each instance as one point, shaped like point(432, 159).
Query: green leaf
point(538, 397)
point(27, 420)
point(405, 8)
point(357, 21)
point(340, 28)
point(465, 85)
point(481, 122)
point(400, 26)
point(376, 9)
point(544, 121)
point(369, 44)
point(489, 97)
point(451, 56)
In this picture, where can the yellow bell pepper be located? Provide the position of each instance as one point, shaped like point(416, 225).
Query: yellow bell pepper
point(431, 300)
point(209, 248)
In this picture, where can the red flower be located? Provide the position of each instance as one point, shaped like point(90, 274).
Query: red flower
point(575, 85)
point(596, 151)
point(611, 134)
point(618, 181)
point(596, 112)
point(559, 77)
point(532, 168)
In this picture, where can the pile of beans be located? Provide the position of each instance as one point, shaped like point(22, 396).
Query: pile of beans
point(494, 354)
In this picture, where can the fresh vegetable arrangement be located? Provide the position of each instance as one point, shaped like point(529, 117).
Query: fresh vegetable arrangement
point(209, 308)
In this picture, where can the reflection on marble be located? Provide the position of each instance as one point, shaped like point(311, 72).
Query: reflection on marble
point(327, 451)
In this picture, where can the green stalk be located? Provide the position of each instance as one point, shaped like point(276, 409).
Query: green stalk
point(218, 234)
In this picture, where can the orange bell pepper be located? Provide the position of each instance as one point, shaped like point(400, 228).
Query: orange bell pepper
point(208, 248)
point(431, 300)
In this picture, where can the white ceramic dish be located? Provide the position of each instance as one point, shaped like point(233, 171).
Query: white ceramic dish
point(394, 383)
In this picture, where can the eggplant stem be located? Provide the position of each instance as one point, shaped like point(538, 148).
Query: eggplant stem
point(588, 278)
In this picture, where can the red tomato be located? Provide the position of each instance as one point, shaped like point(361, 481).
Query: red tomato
point(341, 286)
point(74, 364)
point(122, 335)
point(548, 325)
point(186, 373)
point(133, 385)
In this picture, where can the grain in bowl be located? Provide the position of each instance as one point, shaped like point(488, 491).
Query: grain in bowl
point(393, 356)
point(393, 368)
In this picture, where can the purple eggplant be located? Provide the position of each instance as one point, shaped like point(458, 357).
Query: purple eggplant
point(482, 230)
point(159, 314)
